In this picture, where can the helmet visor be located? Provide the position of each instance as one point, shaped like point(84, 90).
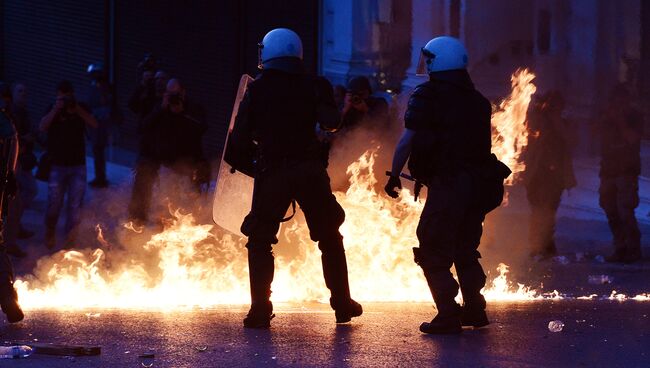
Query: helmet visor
point(425, 56)
point(260, 46)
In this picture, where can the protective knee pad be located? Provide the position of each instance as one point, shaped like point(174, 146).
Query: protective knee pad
point(258, 231)
point(325, 226)
point(331, 242)
point(259, 249)
point(429, 260)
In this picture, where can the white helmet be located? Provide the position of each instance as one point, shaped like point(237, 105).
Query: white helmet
point(440, 54)
point(280, 42)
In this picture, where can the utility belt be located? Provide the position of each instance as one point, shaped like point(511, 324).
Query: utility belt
point(265, 163)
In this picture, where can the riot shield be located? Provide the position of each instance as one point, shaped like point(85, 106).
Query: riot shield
point(233, 194)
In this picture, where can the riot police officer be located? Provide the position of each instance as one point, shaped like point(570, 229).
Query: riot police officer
point(447, 142)
point(276, 123)
point(8, 157)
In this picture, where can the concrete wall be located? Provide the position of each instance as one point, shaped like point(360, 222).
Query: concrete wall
point(588, 39)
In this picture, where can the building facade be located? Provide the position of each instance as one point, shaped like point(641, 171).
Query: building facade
point(581, 47)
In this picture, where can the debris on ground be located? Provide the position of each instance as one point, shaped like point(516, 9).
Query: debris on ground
point(556, 326)
point(600, 279)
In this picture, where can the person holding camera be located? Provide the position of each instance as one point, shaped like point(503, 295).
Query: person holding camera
point(100, 101)
point(65, 126)
point(360, 108)
point(171, 136)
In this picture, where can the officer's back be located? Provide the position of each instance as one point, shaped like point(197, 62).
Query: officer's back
point(282, 114)
point(453, 120)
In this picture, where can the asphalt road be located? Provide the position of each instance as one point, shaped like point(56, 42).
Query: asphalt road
point(596, 334)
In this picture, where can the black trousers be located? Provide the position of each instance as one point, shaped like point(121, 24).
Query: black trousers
point(449, 234)
point(619, 197)
point(99, 159)
point(146, 174)
point(6, 268)
point(275, 188)
point(544, 197)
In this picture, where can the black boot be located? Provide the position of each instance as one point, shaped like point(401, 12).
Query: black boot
point(443, 289)
point(344, 311)
point(616, 257)
point(335, 272)
point(632, 255)
point(442, 325)
point(472, 279)
point(9, 300)
point(261, 270)
point(474, 317)
point(259, 316)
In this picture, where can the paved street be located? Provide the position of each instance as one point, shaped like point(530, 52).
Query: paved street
point(596, 334)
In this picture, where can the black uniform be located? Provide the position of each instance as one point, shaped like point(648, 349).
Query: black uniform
point(620, 167)
point(169, 139)
point(8, 147)
point(549, 171)
point(451, 144)
point(279, 112)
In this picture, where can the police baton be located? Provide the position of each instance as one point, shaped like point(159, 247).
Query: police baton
point(418, 184)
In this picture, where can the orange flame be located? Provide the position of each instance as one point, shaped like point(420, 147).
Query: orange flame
point(509, 128)
point(187, 265)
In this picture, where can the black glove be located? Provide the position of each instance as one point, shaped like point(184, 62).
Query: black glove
point(393, 182)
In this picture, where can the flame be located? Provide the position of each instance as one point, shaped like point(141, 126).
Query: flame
point(190, 264)
point(131, 226)
point(192, 267)
point(100, 236)
point(509, 128)
point(501, 289)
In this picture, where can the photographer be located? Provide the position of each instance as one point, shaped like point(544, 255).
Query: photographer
point(65, 126)
point(360, 108)
point(143, 99)
point(171, 136)
point(100, 102)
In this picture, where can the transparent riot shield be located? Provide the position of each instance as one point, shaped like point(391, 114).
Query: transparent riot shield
point(233, 194)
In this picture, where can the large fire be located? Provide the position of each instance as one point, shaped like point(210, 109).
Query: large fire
point(509, 129)
point(190, 264)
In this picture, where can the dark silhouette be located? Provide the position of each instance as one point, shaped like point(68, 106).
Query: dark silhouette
point(279, 112)
point(549, 169)
point(621, 129)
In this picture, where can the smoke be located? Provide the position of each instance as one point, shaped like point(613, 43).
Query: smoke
point(180, 258)
point(505, 232)
point(110, 245)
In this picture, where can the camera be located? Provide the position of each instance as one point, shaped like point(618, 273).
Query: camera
point(356, 99)
point(175, 99)
point(69, 102)
point(149, 62)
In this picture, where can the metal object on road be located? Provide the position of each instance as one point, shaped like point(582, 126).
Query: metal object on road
point(65, 350)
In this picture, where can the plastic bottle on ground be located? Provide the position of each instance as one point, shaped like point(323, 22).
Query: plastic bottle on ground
point(555, 326)
point(15, 352)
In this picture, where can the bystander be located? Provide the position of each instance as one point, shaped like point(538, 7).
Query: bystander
point(65, 125)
